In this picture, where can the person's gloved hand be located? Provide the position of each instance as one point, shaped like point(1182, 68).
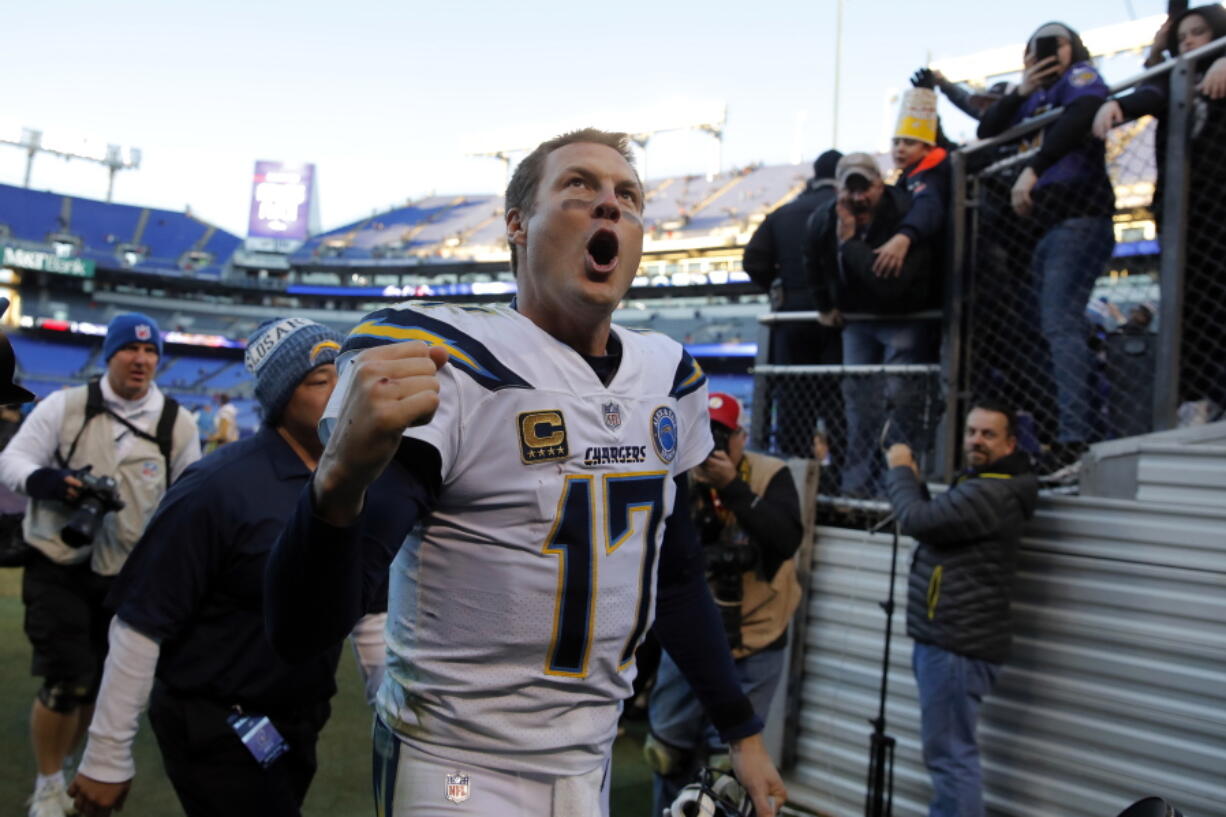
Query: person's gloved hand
point(924, 78)
point(52, 483)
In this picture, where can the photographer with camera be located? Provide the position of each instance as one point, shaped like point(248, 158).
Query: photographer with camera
point(747, 511)
point(95, 461)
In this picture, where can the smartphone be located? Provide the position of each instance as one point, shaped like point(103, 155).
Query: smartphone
point(1174, 8)
point(1045, 47)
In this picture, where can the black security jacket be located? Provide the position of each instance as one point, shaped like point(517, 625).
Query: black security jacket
point(962, 570)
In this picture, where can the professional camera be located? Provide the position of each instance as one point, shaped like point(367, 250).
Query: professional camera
point(722, 435)
point(726, 562)
point(97, 496)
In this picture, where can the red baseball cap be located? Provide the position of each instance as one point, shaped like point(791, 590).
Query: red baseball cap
point(725, 409)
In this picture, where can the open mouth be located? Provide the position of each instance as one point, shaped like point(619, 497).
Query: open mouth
point(602, 251)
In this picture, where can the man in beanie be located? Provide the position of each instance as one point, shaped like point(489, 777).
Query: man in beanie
point(119, 427)
point(747, 511)
point(844, 254)
point(189, 624)
point(774, 258)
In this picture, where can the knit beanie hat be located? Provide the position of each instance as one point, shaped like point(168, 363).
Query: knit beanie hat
point(130, 327)
point(825, 165)
point(281, 352)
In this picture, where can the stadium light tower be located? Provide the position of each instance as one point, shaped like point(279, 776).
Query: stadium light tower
point(716, 129)
point(641, 127)
point(503, 156)
point(838, 69)
point(113, 157)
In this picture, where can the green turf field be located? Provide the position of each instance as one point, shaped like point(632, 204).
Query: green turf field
point(341, 788)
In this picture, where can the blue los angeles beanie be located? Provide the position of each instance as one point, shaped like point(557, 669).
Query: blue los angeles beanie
point(130, 327)
point(282, 351)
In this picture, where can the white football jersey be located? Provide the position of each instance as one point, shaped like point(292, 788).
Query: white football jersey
point(515, 610)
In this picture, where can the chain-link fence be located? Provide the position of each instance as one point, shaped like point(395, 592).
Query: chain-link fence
point(1091, 296)
point(845, 416)
point(1079, 287)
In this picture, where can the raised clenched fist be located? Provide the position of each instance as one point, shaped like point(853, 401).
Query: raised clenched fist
point(390, 388)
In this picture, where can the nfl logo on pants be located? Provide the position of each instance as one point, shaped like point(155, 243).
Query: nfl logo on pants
point(458, 788)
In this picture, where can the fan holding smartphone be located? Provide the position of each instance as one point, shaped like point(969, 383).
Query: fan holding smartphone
point(1064, 202)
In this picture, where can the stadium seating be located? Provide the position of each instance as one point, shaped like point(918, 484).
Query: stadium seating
point(492, 234)
point(459, 218)
point(418, 228)
point(41, 388)
point(185, 371)
point(48, 359)
point(32, 215)
point(226, 378)
point(757, 191)
point(103, 226)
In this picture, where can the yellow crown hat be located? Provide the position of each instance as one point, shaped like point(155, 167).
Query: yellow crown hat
point(918, 117)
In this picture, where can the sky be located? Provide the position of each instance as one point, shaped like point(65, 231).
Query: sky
point(387, 99)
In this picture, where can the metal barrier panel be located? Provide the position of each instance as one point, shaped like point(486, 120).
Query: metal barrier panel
point(1116, 688)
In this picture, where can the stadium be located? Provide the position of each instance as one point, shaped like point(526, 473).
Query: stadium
point(1116, 689)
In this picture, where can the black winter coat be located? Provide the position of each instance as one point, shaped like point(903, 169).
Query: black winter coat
point(777, 248)
point(961, 582)
point(842, 275)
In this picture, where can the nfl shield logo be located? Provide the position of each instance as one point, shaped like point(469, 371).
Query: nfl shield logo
point(612, 414)
point(458, 788)
point(143, 332)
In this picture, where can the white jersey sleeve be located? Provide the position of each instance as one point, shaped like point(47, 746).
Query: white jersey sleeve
point(444, 429)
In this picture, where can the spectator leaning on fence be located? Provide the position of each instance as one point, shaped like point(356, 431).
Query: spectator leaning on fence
point(959, 590)
point(774, 259)
point(1064, 190)
point(1202, 378)
point(924, 173)
point(128, 431)
point(850, 274)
